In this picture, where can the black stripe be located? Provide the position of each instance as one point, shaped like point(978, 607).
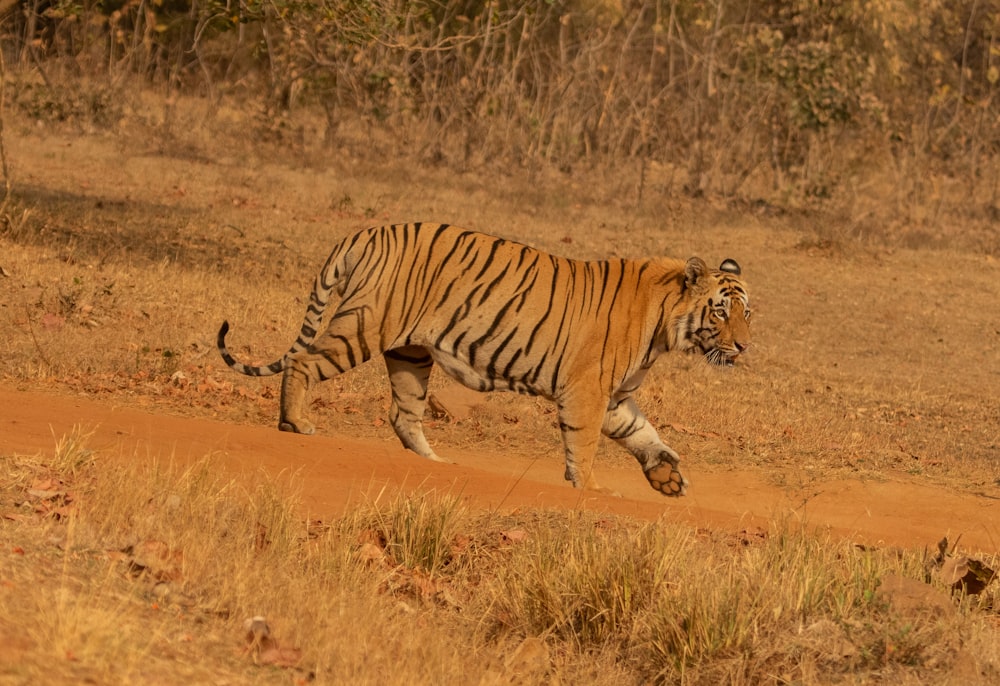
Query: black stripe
point(625, 432)
point(460, 314)
point(417, 361)
point(493, 284)
point(541, 320)
point(491, 367)
point(497, 242)
point(490, 330)
point(605, 353)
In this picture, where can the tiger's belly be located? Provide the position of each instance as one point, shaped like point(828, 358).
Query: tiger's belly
point(481, 379)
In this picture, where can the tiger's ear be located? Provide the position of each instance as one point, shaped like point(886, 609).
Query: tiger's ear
point(730, 265)
point(694, 270)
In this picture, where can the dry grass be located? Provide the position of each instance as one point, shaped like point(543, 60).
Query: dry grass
point(871, 359)
point(117, 571)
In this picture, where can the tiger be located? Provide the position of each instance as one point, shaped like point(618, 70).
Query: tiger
point(496, 314)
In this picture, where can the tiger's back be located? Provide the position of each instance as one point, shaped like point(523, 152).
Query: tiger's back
point(500, 315)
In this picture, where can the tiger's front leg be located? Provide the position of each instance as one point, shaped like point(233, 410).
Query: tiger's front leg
point(626, 425)
point(580, 429)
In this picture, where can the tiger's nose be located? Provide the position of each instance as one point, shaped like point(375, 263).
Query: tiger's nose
point(741, 345)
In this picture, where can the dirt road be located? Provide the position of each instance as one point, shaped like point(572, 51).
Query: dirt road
point(336, 471)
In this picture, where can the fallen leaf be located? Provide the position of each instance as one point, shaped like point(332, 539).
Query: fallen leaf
point(280, 657)
point(953, 569)
point(514, 535)
point(265, 648)
point(44, 495)
point(453, 402)
point(51, 320)
point(155, 558)
point(966, 574)
point(369, 552)
point(960, 572)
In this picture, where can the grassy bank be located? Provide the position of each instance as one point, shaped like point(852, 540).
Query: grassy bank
point(117, 570)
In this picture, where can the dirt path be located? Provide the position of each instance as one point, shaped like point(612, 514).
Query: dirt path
point(336, 471)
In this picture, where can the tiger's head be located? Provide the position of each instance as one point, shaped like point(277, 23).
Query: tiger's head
point(717, 321)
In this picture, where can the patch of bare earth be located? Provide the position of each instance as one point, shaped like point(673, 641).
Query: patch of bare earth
point(337, 471)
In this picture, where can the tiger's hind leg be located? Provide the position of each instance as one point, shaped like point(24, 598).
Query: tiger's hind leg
point(344, 345)
point(409, 369)
point(626, 425)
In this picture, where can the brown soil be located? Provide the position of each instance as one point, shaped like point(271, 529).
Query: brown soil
point(335, 471)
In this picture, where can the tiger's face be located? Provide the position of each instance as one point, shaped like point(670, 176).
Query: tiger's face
point(718, 323)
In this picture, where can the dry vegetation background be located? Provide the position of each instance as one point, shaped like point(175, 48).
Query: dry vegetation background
point(172, 164)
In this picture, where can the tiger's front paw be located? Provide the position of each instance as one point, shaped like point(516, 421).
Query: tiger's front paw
point(666, 478)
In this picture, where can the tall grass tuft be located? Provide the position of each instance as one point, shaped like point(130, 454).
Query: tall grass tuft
point(587, 584)
point(734, 603)
point(417, 531)
point(675, 607)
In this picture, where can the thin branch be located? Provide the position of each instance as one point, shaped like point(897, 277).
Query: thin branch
point(38, 346)
point(3, 147)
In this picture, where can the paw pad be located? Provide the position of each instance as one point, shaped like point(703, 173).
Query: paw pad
point(666, 479)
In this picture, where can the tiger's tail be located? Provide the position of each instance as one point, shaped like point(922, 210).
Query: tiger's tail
point(327, 280)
